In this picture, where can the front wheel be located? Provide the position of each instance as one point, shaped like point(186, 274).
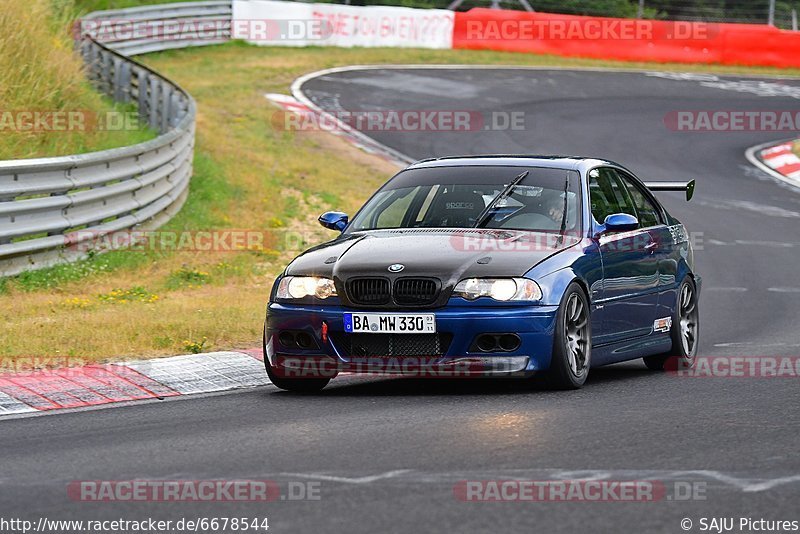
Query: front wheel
point(572, 345)
point(298, 385)
point(685, 331)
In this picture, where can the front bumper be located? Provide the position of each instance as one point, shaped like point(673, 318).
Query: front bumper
point(535, 326)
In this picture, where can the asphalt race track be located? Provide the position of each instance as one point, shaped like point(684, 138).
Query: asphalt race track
point(387, 453)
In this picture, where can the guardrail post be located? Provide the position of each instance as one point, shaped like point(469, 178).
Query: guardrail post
point(117, 83)
point(166, 99)
point(175, 114)
point(126, 82)
point(142, 83)
point(105, 72)
point(85, 47)
point(93, 71)
point(154, 99)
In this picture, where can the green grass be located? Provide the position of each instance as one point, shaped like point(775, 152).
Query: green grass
point(41, 73)
point(60, 275)
point(210, 194)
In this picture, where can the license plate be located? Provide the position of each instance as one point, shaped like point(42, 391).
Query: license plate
point(390, 323)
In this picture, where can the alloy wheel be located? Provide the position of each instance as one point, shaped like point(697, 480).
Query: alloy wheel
point(688, 319)
point(577, 335)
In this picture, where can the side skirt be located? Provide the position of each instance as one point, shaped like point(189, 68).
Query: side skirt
point(631, 349)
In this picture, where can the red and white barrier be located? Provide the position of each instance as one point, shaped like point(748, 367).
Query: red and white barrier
point(626, 39)
point(277, 23)
point(274, 23)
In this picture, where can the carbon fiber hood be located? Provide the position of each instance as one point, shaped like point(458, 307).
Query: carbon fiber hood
point(446, 254)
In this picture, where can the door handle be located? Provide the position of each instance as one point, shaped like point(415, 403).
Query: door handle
point(652, 246)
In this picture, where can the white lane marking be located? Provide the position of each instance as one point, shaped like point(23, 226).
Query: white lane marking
point(684, 76)
point(746, 242)
point(752, 172)
point(348, 480)
point(756, 87)
point(745, 484)
point(742, 242)
point(583, 475)
point(755, 207)
point(744, 289)
point(778, 244)
point(751, 344)
point(769, 484)
point(784, 289)
point(734, 289)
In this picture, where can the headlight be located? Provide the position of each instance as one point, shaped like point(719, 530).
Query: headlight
point(502, 289)
point(298, 287)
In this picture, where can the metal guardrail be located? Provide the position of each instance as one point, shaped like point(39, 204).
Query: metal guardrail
point(50, 208)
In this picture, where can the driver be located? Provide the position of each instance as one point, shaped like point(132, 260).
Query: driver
point(554, 208)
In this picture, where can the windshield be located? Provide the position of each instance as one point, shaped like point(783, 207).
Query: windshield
point(545, 200)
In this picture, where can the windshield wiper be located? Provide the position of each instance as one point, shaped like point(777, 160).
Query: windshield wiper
point(502, 195)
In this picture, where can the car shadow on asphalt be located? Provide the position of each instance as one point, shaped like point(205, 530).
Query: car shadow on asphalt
point(382, 386)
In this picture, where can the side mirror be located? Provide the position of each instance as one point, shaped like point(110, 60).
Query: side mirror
point(619, 222)
point(333, 220)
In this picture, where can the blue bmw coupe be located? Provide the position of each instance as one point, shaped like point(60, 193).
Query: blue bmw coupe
point(490, 266)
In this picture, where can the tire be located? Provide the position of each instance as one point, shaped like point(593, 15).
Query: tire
point(572, 344)
point(685, 332)
point(297, 385)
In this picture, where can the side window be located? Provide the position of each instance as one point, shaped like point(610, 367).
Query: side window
point(647, 212)
point(608, 195)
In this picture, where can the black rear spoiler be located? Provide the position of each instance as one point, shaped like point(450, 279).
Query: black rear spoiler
point(673, 186)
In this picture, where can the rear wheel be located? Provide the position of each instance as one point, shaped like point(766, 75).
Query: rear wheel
point(299, 385)
point(572, 345)
point(685, 331)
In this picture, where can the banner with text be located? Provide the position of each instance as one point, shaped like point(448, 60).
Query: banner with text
point(276, 23)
